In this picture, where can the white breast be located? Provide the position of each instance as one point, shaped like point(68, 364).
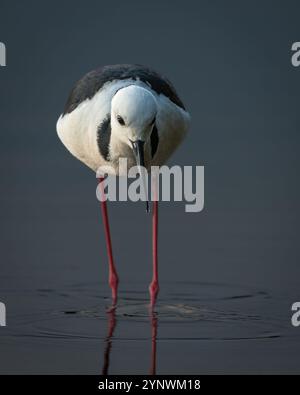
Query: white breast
point(172, 124)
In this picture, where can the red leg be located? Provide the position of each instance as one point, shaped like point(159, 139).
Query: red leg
point(113, 276)
point(154, 287)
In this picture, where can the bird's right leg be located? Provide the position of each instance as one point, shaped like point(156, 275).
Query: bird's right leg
point(113, 275)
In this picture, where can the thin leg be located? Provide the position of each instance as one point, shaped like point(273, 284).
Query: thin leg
point(154, 287)
point(113, 276)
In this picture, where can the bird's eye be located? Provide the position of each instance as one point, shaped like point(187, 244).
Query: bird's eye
point(120, 120)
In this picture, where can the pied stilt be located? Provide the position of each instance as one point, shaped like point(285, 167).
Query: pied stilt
point(124, 111)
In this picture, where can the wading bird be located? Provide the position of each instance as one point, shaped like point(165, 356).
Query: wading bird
point(124, 111)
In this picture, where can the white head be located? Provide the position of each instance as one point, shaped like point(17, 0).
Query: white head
point(133, 112)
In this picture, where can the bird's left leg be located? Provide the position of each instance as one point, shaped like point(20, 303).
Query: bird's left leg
point(154, 286)
point(113, 275)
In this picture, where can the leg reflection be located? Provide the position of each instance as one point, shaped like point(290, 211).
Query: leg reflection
point(153, 320)
point(111, 319)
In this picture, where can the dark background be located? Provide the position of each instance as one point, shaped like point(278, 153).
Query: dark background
point(231, 65)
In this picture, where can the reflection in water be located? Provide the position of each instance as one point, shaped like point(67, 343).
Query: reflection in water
point(111, 319)
point(199, 312)
point(153, 320)
point(222, 316)
point(112, 322)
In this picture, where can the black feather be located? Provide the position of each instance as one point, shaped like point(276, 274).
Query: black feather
point(92, 82)
point(154, 140)
point(103, 137)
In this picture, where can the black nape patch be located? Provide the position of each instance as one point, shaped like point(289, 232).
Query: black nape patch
point(103, 137)
point(154, 140)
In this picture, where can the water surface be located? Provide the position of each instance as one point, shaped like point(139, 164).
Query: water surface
point(195, 328)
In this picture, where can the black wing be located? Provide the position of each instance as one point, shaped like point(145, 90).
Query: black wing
point(92, 82)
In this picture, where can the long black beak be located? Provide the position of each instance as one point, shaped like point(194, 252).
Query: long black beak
point(138, 149)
